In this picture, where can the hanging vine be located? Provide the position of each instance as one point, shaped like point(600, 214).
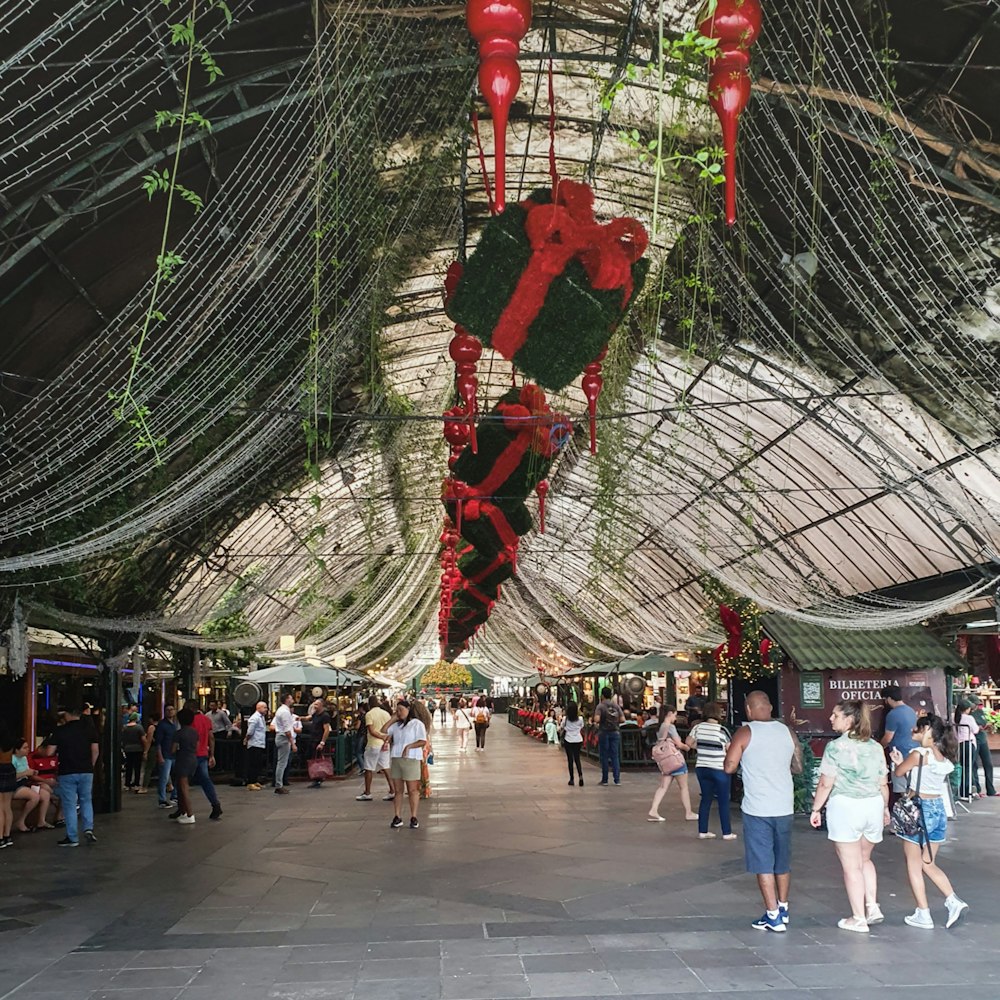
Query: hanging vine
point(164, 182)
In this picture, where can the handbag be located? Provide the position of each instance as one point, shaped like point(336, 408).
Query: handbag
point(907, 816)
point(667, 757)
point(319, 767)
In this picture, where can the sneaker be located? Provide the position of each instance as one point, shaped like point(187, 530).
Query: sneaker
point(768, 923)
point(316, 784)
point(414, 823)
point(783, 913)
point(571, 782)
point(389, 798)
point(956, 907)
point(254, 787)
point(706, 836)
point(396, 823)
point(874, 914)
point(162, 805)
point(362, 798)
point(6, 842)
point(89, 835)
point(581, 782)
point(66, 842)
point(603, 782)
point(856, 924)
point(918, 919)
point(216, 812)
point(729, 836)
point(175, 814)
point(282, 790)
point(186, 820)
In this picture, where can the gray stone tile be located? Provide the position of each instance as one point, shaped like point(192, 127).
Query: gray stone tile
point(400, 989)
point(473, 948)
point(742, 979)
point(484, 987)
point(89, 960)
point(482, 965)
point(657, 982)
point(714, 958)
point(146, 978)
point(567, 984)
point(400, 968)
point(156, 993)
point(583, 961)
point(312, 991)
point(642, 960)
point(546, 945)
point(403, 949)
point(168, 958)
point(626, 942)
point(318, 972)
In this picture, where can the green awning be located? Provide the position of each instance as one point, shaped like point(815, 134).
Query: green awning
point(814, 647)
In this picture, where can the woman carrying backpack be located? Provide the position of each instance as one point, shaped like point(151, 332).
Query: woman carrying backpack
point(671, 765)
point(481, 717)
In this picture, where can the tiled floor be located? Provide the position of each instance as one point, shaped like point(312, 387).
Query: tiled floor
point(514, 886)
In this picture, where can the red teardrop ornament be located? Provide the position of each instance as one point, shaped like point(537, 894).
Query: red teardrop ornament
point(498, 26)
point(542, 489)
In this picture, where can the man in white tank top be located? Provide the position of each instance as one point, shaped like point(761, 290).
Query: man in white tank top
point(769, 754)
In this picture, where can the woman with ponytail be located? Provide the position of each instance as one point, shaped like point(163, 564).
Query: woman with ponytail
point(854, 788)
point(930, 762)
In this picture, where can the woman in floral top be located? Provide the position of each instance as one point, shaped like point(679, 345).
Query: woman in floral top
point(854, 788)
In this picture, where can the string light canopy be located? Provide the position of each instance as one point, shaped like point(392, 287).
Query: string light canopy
point(802, 407)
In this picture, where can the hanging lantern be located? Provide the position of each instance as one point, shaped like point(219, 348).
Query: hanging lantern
point(736, 25)
point(498, 27)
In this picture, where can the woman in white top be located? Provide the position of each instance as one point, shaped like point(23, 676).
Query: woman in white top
point(572, 733)
point(407, 735)
point(667, 730)
point(463, 723)
point(931, 762)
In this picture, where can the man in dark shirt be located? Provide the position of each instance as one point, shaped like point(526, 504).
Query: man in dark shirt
point(76, 744)
point(163, 738)
point(316, 734)
point(608, 719)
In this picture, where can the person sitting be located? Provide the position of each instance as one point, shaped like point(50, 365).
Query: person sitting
point(35, 794)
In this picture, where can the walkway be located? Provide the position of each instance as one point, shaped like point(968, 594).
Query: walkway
point(515, 886)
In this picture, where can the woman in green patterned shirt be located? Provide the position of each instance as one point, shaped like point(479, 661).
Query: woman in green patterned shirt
point(854, 788)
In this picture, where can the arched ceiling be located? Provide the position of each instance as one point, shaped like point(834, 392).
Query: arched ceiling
point(804, 408)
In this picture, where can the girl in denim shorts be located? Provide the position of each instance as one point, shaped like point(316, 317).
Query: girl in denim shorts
point(933, 759)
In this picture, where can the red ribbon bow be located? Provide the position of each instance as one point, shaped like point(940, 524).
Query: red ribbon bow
point(558, 232)
point(734, 630)
point(547, 432)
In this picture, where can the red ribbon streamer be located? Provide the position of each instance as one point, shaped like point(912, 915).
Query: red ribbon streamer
point(558, 232)
point(734, 630)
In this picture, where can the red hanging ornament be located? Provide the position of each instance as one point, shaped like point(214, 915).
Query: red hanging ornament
point(736, 25)
point(592, 384)
point(456, 432)
point(465, 351)
point(498, 27)
point(542, 489)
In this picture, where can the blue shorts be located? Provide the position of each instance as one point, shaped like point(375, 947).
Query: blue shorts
point(767, 844)
point(936, 820)
point(683, 769)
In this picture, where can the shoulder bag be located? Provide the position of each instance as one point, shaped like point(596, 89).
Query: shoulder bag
point(907, 816)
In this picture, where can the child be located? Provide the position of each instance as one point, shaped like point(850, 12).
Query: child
point(933, 759)
point(552, 729)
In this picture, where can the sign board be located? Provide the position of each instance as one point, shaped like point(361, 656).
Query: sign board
point(808, 696)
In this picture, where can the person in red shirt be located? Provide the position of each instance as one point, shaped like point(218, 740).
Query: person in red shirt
point(206, 758)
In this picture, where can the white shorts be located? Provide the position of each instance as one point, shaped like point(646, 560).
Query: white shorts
point(376, 759)
point(848, 820)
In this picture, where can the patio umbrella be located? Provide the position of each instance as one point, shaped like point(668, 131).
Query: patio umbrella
point(307, 675)
point(653, 663)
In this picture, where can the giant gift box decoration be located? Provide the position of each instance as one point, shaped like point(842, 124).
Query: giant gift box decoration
point(547, 285)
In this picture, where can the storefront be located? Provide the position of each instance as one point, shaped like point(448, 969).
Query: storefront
point(825, 666)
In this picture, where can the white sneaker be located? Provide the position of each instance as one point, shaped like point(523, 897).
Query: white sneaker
point(186, 820)
point(362, 798)
point(921, 920)
point(956, 907)
point(706, 836)
point(855, 924)
point(874, 914)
